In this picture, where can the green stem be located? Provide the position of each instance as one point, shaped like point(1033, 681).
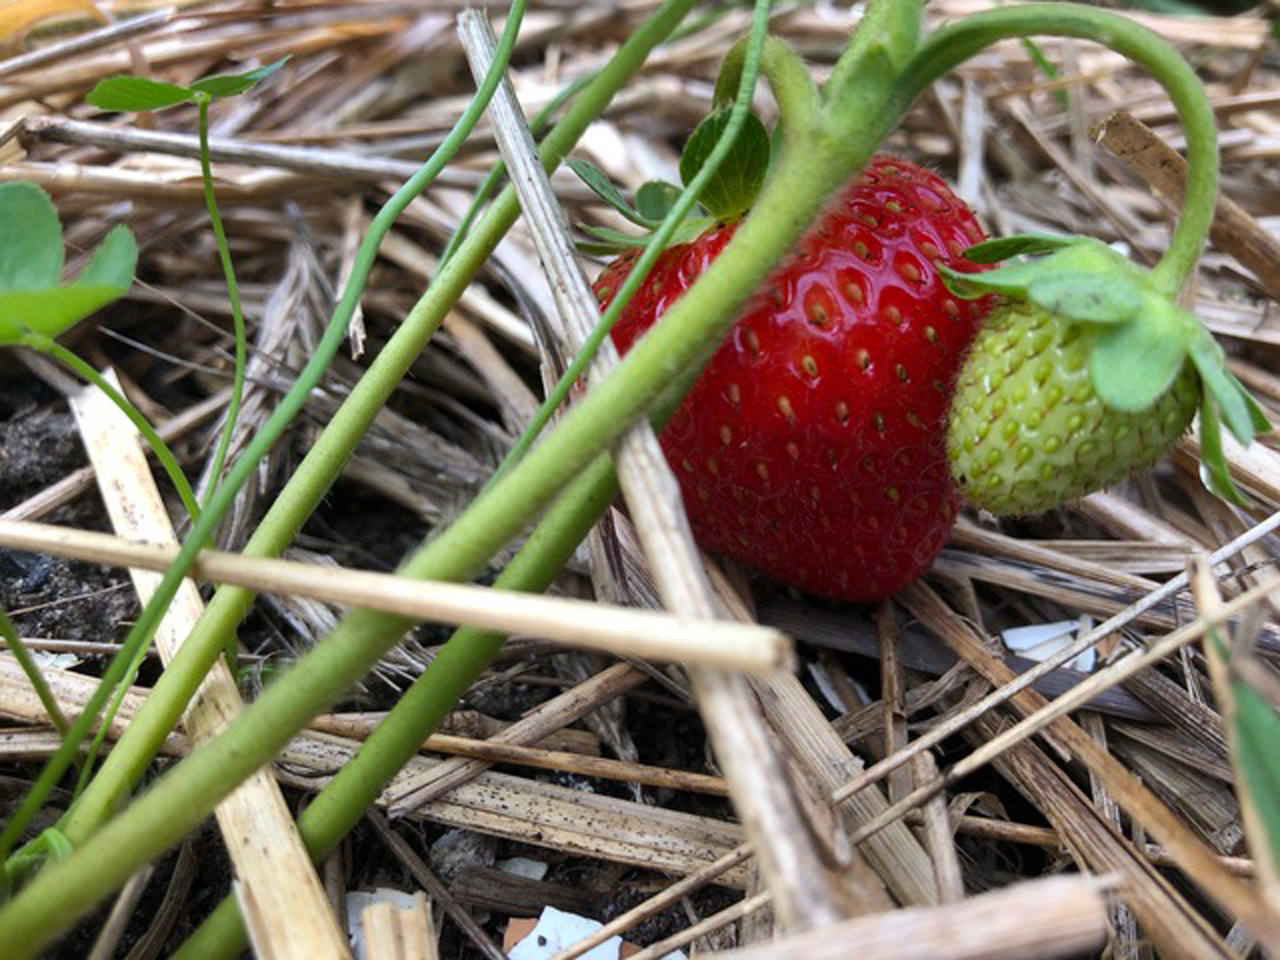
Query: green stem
point(340, 805)
point(134, 753)
point(798, 99)
point(957, 42)
point(45, 344)
point(233, 293)
point(175, 687)
point(490, 184)
point(32, 669)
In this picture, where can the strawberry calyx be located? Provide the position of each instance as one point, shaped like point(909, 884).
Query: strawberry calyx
point(1142, 339)
point(726, 197)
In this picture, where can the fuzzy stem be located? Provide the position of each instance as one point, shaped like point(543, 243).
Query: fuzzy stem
point(136, 749)
point(233, 294)
point(176, 685)
point(340, 805)
point(957, 42)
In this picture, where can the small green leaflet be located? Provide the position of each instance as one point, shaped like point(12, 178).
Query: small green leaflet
point(32, 297)
point(1221, 385)
point(1214, 473)
point(232, 84)
point(1255, 732)
point(655, 199)
point(599, 183)
point(30, 238)
point(733, 189)
point(133, 94)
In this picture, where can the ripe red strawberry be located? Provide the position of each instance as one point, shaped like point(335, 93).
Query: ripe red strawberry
point(813, 447)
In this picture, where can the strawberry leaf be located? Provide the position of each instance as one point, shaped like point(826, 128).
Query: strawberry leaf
point(599, 183)
point(31, 267)
point(30, 238)
point(133, 94)
point(1214, 472)
point(733, 188)
point(233, 84)
point(655, 199)
point(1132, 364)
point(1002, 248)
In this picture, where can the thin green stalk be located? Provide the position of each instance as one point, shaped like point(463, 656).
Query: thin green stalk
point(490, 184)
point(798, 97)
point(128, 760)
point(160, 712)
point(45, 344)
point(957, 42)
point(32, 669)
point(233, 294)
point(335, 811)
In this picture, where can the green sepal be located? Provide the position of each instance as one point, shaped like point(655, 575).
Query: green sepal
point(609, 240)
point(737, 181)
point(31, 259)
point(1002, 248)
point(1082, 280)
point(655, 199)
point(1214, 473)
point(1132, 365)
point(1238, 411)
point(599, 183)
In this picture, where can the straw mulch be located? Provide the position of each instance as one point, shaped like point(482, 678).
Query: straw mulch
point(619, 796)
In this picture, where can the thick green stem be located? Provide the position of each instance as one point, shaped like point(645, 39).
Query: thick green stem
point(158, 715)
point(957, 42)
point(339, 806)
point(65, 889)
point(233, 293)
point(161, 711)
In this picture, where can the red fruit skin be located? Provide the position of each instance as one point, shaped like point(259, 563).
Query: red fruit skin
point(813, 447)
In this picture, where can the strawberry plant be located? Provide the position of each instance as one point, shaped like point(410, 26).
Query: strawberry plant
point(826, 137)
point(813, 446)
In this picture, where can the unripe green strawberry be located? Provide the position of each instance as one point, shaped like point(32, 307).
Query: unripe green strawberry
point(1027, 430)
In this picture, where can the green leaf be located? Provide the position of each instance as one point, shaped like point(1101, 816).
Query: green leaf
point(1132, 364)
point(1256, 731)
point(1086, 296)
point(114, 262)
point(1214, 473)
point(1002, 248)
point(53, 310)
point(1221, 386)
point(131, 94)
point(231, 84)
point(599, 183)
point(655, 199)
point(732, 190)
point(30, 238)
point(609, 240)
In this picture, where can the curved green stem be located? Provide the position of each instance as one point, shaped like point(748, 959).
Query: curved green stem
point(746, 70)
point(45, 344)
point(126, 761)
point(233, 293)
point(158, 715)
point(957, 42)
point(333, 813)
point(793, 88)
point(32, 669)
